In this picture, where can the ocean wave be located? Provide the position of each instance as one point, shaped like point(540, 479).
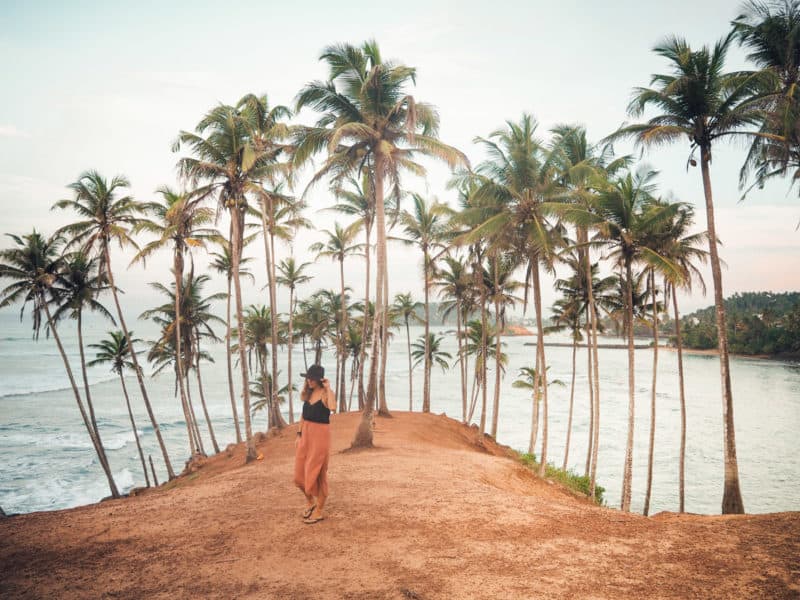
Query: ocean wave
point(68, 440)
point(56, 387)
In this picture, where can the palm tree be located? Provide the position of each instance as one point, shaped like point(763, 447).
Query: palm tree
point(291, 275)
point(683, 249)
point(232, 160)
point(566, 314)
point(528, 380)
point(180, 223)
point(356, 200)
point(425, 227)
point(105, 218)
point(520, 176)
point(430, 351)
point(455, 290)
point(370, 124)
point(628, 215)
point(338, 245)
point(34, 266)
point(79, 284)
point(700, 101)
point(582, 168)
point(222, 262)
point(770, 30)
point(404, 306)
point(477, 341)
point(114, 351)
point(196, 318)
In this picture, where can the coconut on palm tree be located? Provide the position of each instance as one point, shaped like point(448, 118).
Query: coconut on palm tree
point(370, 124)
point(106, 217)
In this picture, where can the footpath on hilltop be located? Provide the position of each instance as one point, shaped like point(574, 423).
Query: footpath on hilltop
point(430, 513)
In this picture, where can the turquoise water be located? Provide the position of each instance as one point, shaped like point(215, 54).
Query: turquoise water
point(47, 462)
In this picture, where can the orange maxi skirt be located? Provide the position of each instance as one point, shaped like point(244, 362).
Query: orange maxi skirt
point(311, 459)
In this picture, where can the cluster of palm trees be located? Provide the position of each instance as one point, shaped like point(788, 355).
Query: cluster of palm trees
point(537, 202)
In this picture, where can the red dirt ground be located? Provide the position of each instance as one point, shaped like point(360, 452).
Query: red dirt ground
point(430, 513)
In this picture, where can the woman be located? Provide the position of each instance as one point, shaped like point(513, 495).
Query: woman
point(313, 442)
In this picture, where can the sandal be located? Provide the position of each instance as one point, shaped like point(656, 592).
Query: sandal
point(308, 511)
point(311, 520)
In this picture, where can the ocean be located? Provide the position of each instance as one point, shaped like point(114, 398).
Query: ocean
point(47, 461)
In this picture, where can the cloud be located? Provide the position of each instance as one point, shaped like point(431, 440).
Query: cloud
point(10, 131)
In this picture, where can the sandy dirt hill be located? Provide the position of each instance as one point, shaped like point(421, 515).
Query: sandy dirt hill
point(430, 513)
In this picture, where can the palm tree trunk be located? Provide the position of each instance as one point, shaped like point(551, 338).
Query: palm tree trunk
point(92, 435)
point(291, 339)
point(195, 425)
point(537, 300)
point(627, 474)
point(136, 368)
point(341, 394)
point(230, 367)
point(732, 496)
point(133, 428)
point(86, 384)
point(571, 398)
point(364, 330)
point(426, 378)
point(590, 446)
point(410, 378)
point(652, 398)
point(462, 364)
point(236, 253)
point(682, 459)
point(383, 408)
point(596, 387)
point(496, 403)
point(484, 345)
point(269, 251)
point(363, 436)
point(536, 401)
point(203, 402)
point(182, 378)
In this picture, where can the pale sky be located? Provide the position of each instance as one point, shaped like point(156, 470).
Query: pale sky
point(108, 86)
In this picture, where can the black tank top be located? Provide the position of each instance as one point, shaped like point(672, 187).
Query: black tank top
point(317, 412)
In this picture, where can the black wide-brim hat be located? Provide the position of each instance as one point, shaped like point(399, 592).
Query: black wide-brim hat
point(314, 372)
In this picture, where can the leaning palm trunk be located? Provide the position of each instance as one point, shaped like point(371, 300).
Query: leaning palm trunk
point(92, 435)
point(178, 269)
point(536, 396)
point(86, 389)
point(230, 366)
point(195, 424)
point(571, 400)
point(205, 408)
point(134, 429)
point(496, 403)
point(627, 474)
point(732, 497)
point(136, 368)
point(537, 300)
point(682, 459)
point(236, 247)
point(652, 398)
